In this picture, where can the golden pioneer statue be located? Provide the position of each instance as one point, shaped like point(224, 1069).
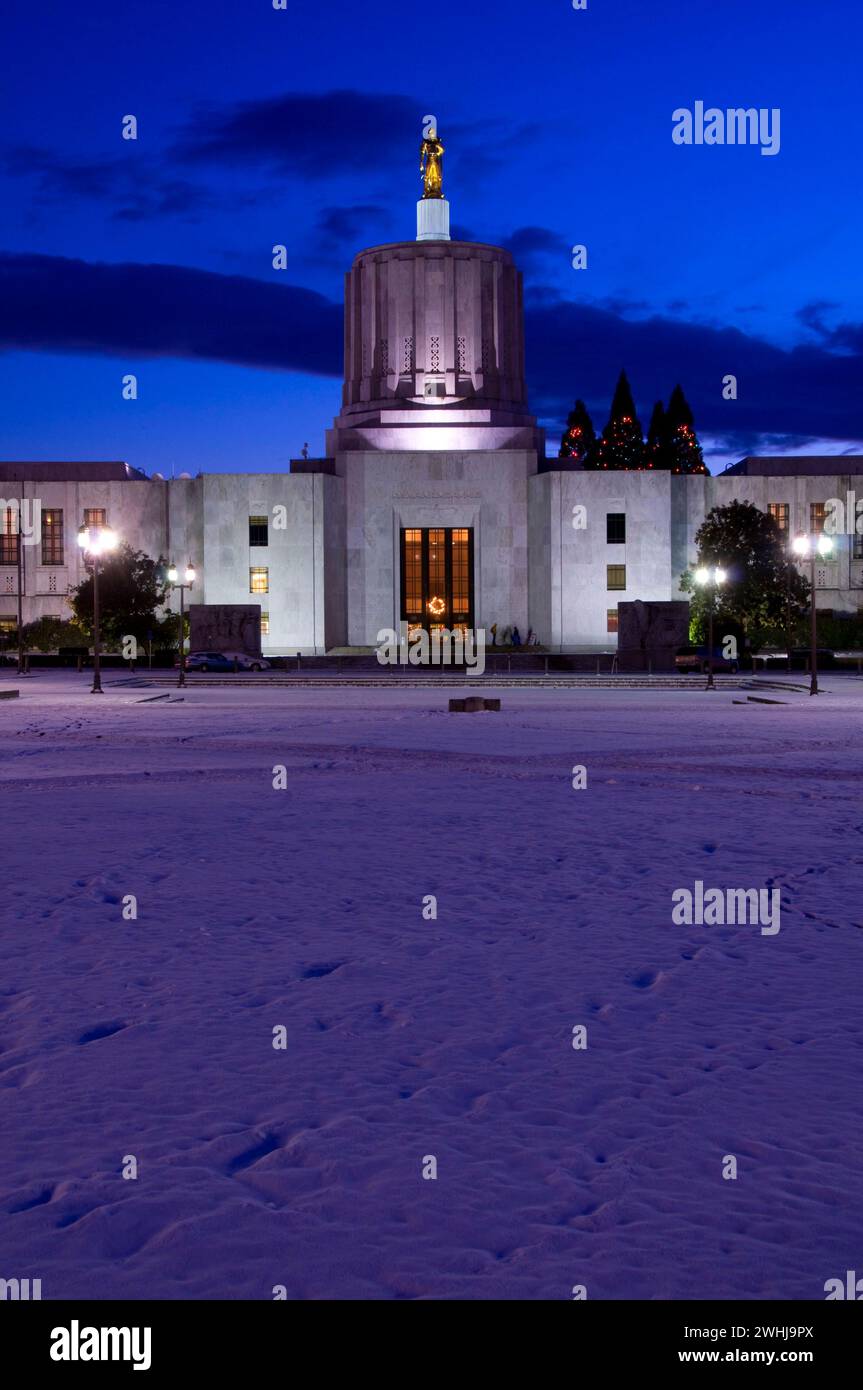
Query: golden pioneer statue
point(431, 153)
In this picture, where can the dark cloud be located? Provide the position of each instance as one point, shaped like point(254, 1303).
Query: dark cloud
point(315, 134)
point(812, 316)
point(136, 185)
point(350, 226)
point(532, 248)
point(53, 304)
point(459, 232)
point(810, 391)
point(371, 137)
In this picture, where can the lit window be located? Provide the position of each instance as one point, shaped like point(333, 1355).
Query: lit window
point(611, 620)
point(265, 624)
point(816, 518)
point(413, 572)
point(616, 576)
point(52, 537)
point(780, 513)
point(95, 516)
point(259, 580)
point(258, 530)
point(460, 572)
point(615, 528)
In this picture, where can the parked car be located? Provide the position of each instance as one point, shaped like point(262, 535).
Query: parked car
point(247, 662)
point(224, 661)
point(696, 660)
point(800, 657)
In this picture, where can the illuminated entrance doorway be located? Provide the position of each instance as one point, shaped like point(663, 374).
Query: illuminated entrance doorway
point(437, 578)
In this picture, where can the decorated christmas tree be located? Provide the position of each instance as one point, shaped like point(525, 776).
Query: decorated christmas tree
point(579, 437)
point(622, 442)
point(681, 442)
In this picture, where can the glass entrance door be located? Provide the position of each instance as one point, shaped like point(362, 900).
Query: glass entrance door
point(437, 578)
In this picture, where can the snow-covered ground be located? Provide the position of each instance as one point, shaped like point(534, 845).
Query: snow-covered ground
point(409, 1038)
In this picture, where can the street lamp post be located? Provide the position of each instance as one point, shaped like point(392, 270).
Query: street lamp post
point(810, 547)
point(96, 541)
point(19, 555)
point(711, 578)
point(174, 581)
point(788, 633)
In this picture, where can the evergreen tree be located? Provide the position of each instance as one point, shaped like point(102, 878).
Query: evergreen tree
point(681, 443)
point(131, 587)
point(622, 442)
point(579, 437)
point(763, 592)
point(655, 452)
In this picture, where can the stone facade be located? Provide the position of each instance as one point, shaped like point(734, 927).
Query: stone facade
point(483, 490)
point(332, 553)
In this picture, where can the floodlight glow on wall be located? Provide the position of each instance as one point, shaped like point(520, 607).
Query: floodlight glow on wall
point(97, 540)
point(813, 545)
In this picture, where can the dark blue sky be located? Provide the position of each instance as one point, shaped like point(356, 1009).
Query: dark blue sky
point(259, 126)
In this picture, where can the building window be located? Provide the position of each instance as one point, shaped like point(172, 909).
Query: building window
point(258, 530)
point(780, 511)
point(9, 538)
point(816, 518)
point(437, 571)
point(616, 576)
point(259, 580)
point(8, 625)
point(413, 572)
point(265, 624)
point(857, 547)
point(95, 516)
point(437, 577)
point(615, 528)
point(460, 574)
point(52, 537)
point(611, 620)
